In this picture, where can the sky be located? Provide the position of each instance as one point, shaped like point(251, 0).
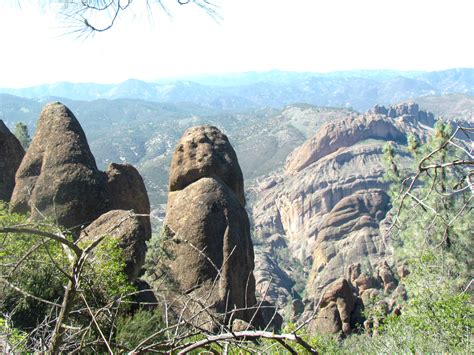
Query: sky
point(37, 45)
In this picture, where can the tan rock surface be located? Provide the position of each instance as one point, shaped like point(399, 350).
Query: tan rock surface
point(204, 151)
point(339, 134)
point(349, 234)
point(337, 306)
point(209, 248)
point(130, 233)
point(127, 191)
point(211, 252)
point(58, 176)
point(11, 154)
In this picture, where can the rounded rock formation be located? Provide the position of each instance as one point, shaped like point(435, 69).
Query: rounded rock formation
point(130, 233)
point(127, 191)
point(204, 151)
point(208, 244)
point(58, 176)
point(337, 306)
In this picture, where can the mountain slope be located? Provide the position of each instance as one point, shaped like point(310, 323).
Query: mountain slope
point(326, 206)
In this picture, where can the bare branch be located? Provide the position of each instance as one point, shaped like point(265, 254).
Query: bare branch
point(26, 294)
point(248, 335)
point(40, 233)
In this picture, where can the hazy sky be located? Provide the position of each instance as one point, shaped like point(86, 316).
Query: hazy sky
point(254, 35)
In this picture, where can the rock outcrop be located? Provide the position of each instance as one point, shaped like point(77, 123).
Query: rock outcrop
point(340, 134)
point(204, 151)
point(338, 309)
point(380, 124)
point(328, 204)
point(211, 252)
point(130, 233)
point(58, 176)
point(11, 154)
point(127, 191)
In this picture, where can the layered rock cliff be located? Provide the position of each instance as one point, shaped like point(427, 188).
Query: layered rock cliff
point(327, 205)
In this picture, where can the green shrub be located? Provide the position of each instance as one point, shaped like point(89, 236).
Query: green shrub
point(133, 329)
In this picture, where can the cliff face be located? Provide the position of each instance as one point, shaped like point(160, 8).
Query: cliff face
point(326, 206)
point(11, 154)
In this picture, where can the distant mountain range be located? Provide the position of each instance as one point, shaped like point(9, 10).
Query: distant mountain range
point(276, 89)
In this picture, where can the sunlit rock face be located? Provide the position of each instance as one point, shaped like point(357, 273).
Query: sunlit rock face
point(58, 176)
point(210, 250)
point(58, 179)
point(327, 204)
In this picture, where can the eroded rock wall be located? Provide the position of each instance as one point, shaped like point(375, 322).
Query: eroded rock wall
point(328, 204)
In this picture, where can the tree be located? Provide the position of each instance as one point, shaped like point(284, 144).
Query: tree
point(432, 233)
point(50, 285)
point(21, 132)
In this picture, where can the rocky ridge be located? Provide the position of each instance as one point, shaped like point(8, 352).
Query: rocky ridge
point(327, 206)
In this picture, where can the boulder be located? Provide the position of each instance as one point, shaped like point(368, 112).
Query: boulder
point(403, 271)
point(130, 233)
point(386, 276)
point(11, 154)
point(328, 320)
point(336, 308)
point(204, 151)
point(58, 176)
point(127, 191)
